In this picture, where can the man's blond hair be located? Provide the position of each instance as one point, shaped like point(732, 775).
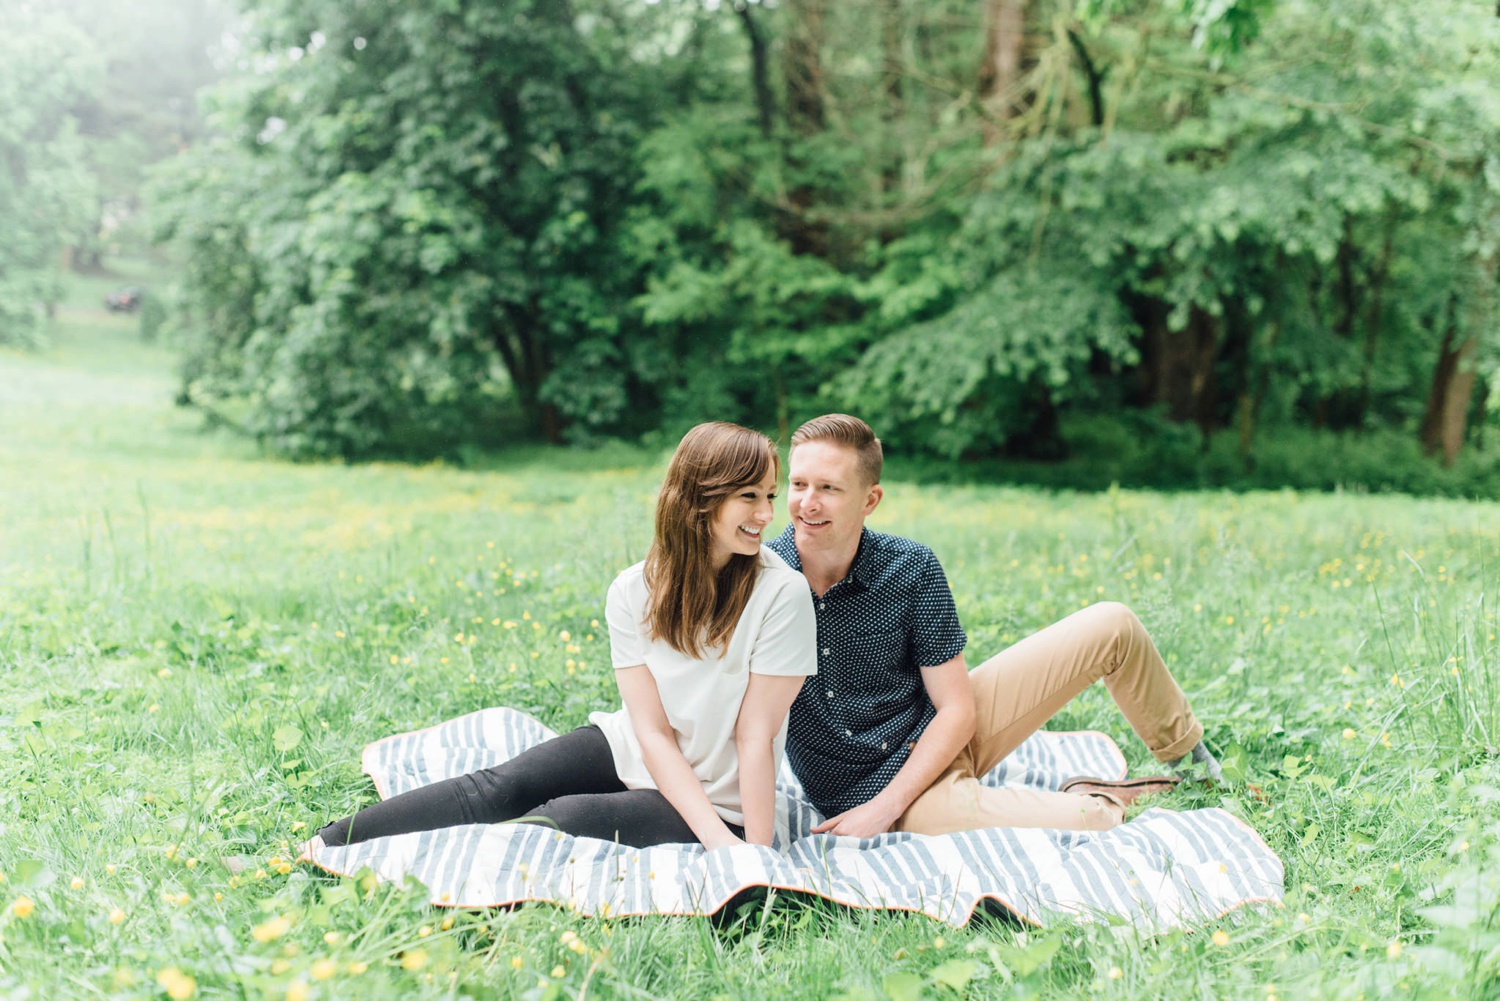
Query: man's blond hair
point(850, 432)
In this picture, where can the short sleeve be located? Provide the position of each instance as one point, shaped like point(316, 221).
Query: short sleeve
point(627, 648)
point(936, 635)
point(786, 643)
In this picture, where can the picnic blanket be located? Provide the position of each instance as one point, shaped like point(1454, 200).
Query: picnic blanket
point(1161, 870)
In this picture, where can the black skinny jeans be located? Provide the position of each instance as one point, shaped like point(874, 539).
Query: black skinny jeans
point(569, 780)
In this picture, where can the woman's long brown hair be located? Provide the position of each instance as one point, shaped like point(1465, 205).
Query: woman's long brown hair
point(692, 607)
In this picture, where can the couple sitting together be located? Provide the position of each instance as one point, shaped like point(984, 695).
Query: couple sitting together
point(834, 644)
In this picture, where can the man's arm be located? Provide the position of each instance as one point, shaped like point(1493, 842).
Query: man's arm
point(948, 687)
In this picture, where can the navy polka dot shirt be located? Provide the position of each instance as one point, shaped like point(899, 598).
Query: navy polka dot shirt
point(852, 725)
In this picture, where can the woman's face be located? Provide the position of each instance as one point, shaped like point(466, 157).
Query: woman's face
point(736, 527)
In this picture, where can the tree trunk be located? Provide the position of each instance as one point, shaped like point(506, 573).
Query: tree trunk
point(1010, 53)
point(805, 114)
point(1374, 317)
point(1004, 39)
point(1345, 289)
point(1151, 316)
point(760, 81)
point(1093, 75)
point(1446, 416)
point(892, 71)
point(1178, 367)
point(1257, 373)
point(528, 362)
point(1042, 440)
point(804, 67)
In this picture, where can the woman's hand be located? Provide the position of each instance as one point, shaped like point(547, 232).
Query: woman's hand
point(726, 840)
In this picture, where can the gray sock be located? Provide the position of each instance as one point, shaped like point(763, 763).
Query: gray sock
point(1199, 761)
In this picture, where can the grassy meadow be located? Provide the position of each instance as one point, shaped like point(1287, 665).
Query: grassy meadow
point(196, 641)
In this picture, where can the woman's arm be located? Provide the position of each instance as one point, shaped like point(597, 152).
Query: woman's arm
point(767, 700)
point(674, 777)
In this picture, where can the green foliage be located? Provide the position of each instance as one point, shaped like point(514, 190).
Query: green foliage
point(962, 379)
point(617, 218)
point(387, 237)
point(1145, 450)
point(1311, 252)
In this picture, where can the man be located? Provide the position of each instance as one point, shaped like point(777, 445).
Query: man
point(894, 731)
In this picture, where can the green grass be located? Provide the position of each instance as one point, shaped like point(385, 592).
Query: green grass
point(177, 610)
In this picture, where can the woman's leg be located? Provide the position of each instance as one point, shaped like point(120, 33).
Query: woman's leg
point(639, 818)
point(575, 764)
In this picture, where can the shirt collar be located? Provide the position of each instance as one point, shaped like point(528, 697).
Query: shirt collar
point(870, 559)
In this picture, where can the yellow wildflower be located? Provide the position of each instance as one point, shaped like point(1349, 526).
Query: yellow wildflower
point(271, 930)
point(178, 985)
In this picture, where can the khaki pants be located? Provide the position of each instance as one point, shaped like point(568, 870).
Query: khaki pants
point(1022, 687)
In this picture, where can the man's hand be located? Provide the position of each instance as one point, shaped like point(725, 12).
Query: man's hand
point(864, 821)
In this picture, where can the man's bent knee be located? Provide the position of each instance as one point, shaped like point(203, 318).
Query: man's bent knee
point(1116, 615)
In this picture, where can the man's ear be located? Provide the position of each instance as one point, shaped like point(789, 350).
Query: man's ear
point(872, 499)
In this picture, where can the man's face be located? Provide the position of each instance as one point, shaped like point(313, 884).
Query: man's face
point(828, 498)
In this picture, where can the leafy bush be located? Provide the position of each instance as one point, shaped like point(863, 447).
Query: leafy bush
point(1143, 449)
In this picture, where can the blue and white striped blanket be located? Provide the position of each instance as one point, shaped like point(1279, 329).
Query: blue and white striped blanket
point(1161, 870)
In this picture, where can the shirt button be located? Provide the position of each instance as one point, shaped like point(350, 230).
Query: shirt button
point(830, 695)
point(882, 745)
point(825, 651)
point(820, 606)
point(848, 733)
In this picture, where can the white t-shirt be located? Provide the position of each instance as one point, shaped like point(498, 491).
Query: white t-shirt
point(777, 634)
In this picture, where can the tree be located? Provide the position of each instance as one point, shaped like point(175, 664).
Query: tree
point(155, 55)
point(46, 66)
point(444, 189)
point(1257, 204)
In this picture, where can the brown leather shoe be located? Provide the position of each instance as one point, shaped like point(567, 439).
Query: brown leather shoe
point(1125, 791)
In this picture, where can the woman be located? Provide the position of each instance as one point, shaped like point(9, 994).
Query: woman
point(711, 637)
